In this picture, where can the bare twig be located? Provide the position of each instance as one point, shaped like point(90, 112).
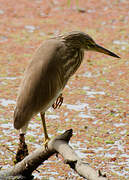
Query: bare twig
point(59, 145)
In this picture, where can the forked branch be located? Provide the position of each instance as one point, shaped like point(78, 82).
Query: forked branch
point(24, 169)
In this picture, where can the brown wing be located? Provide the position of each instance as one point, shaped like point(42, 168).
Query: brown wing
point(40, 83)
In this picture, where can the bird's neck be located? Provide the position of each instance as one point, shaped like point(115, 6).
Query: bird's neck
point(72, 61)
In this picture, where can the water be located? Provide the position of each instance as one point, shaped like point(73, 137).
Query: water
point(89, 74)
point(78, 146)
point(86, 88)
point(123, 132)
point(120, 42)
point(120, 173)
point(3, 39)
point(8, 125)
point(77, 149)
point(30, 28)
point(92, 93)
point(53, 116)
point(1, 11)
point(123, 44)
point(10, 78)
point(6, 102)
point(77, 107)
point(119, 124)
point(83, 115)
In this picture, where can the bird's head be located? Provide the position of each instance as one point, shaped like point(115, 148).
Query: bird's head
point(84, 41)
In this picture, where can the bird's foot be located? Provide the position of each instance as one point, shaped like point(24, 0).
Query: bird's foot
point(58, 102)
point(46, 140)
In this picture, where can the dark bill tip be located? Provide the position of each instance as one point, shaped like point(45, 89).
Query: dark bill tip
point(105, 51)
point(113, 54)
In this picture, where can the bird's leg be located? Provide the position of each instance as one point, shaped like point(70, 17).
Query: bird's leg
point(46, 138)
point(58, 102)
point(22, 151)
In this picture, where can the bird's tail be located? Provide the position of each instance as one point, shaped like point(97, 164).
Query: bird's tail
point(20, 118)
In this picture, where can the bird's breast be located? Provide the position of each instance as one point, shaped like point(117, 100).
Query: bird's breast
point(60, 76)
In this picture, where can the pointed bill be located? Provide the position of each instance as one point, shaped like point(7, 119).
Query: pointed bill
point(105, 51)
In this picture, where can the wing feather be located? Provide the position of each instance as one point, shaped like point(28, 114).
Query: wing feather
point(40, 83)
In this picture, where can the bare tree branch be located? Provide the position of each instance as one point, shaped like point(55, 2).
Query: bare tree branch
point(24, 169)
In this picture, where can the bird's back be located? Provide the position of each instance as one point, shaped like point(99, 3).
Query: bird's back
point(51, 67)
point(45, 77)
point(40, 84)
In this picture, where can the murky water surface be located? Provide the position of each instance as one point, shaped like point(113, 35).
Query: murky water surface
point(6, 102)
point(78, 146)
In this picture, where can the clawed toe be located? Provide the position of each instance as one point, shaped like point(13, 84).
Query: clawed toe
point(58, 102)
point(46, 143)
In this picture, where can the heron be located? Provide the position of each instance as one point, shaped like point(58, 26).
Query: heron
point(52, 65)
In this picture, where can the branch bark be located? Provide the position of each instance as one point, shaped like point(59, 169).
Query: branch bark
point(24, 169)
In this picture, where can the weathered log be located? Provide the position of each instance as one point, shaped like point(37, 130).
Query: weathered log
point(24, 169)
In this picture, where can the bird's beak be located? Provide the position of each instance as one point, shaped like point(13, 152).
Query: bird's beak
point(100, 49)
